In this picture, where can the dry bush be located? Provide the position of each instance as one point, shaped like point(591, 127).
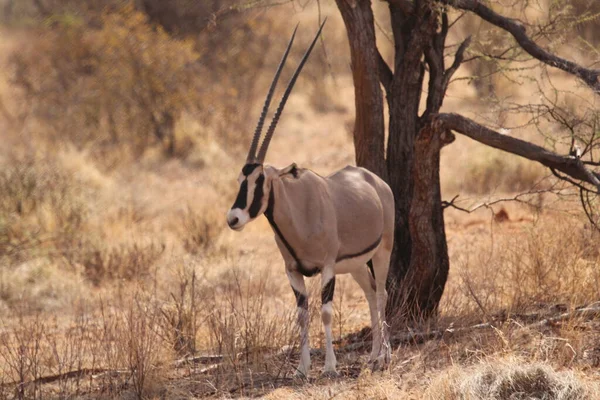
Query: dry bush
point(125, 83)
point(125, 261)
point(26, 12)
point(42, 206)
point(21, 353)
point(181, 314)
point(586, 15)
point(492, 171)
point(245, 327)
point(537, 265)
point(510, 379)
point(119, 80)
point(201, 229)
point(142, 350)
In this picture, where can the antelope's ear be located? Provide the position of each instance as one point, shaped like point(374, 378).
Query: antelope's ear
point(290, 169)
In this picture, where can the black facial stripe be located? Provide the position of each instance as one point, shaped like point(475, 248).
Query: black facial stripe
point(240, 201)
point(327, 291)
point(258, 195)
point(248, 168)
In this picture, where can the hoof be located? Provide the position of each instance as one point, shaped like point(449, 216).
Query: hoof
point(375, 365)
point(380, 363)
point(299, 375)
point(330, 374)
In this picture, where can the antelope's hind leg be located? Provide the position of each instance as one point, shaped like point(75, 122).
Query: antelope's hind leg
point(367, 283)
point(297, 282)
point(381, 265)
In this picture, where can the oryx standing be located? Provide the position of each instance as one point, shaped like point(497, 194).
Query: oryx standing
point(330, 225)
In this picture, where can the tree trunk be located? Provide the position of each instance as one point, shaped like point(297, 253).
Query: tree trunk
point(368, 126)
point(419, 265)
point(423, 286)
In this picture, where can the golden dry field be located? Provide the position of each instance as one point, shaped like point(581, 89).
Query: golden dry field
point(119, 277)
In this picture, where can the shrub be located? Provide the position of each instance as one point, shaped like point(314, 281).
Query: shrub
point(125, 83)
point(42, 206)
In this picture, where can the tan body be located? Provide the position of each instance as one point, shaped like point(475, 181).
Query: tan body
point(332, 218)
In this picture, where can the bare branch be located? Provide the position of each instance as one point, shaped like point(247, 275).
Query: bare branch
point(458, 60)
point(569, 180)
point(518, 198)
point(565, 164)
point(518, 31)
point(584, 197)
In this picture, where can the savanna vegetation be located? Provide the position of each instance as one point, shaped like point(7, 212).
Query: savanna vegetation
point(122, 127)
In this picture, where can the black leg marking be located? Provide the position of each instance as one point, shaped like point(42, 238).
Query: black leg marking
point(301, 300)
point(370, 264)
point(372, 270)
point(327, 291)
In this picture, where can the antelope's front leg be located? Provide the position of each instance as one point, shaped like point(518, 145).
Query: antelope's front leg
point(327, 289)
point(297, 282)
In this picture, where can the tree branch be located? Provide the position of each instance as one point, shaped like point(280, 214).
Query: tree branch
point(590, 76)
point(567, 165)
point(385, 73)
point(458, 60)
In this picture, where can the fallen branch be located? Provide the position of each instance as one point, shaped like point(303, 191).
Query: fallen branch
point(588, 312)
point(206, 359)
point(213, 360)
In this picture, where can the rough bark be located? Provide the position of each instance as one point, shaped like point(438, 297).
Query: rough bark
point(407, 163)
point(423, 286)
point(369, 126)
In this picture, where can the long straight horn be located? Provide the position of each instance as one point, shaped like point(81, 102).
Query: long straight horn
point(252, 153)
point(265, 144)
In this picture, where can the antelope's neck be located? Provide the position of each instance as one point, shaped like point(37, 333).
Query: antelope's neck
point(278, 212)
point(281, 218)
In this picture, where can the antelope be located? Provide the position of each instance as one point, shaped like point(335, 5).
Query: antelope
point(338, 224)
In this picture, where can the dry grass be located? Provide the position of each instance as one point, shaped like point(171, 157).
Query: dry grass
point(510, 379)
point(119, 279)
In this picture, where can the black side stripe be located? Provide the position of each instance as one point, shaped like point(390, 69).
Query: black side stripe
point(327, 291)
point(365, 251)
point(269, 214)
